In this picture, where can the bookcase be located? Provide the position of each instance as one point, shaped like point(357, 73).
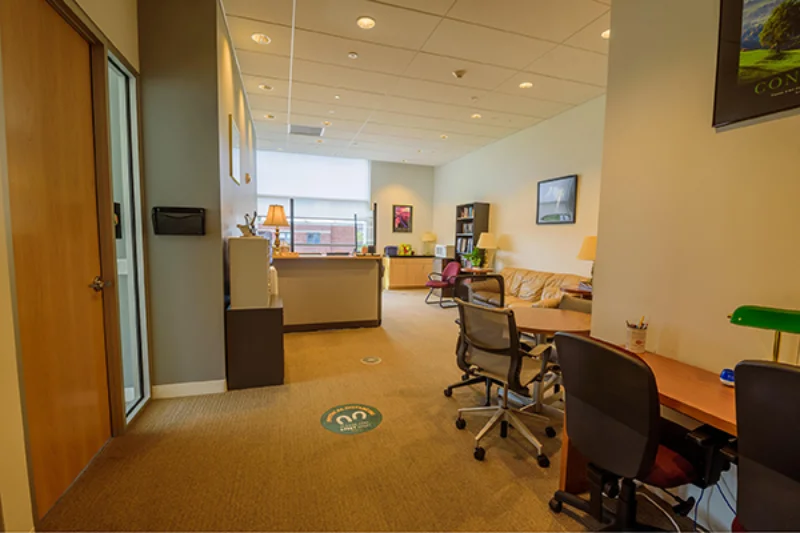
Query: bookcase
point(471, 220)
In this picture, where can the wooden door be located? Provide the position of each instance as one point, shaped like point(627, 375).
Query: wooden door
point(47, 87)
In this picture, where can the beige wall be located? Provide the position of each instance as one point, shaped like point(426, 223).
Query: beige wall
point(505, 174)
point(236, 199)
point(400, 184)
point(693, 222)
point(118, 20)
point(15, 495)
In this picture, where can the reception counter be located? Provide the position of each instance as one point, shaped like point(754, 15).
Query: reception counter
point(329, 292)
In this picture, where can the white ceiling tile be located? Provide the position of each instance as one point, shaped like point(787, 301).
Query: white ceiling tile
point(280, 87)
point(279, 11)
point(302, 107)
point(336, 76)
point(573, 64)
point(440, 69)
point(393, 26)
point(590, 37)
point(437, 7)
point(552, 20)
point(527, 106)
point(334, 50)
point(243, 29)
point(485, 45)
point(436, 92)
point(259, 64)
point(551, 89)
point(458, 113)
point(441, 126)
point(429, 135)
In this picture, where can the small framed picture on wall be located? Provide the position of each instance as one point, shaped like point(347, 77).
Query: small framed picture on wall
point(402, 221)
point(557, 200)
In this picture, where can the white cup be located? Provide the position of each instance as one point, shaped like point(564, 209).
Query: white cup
point(637, 340)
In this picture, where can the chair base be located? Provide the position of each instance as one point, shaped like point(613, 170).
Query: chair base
point(466, 381)
point(506, 417)
point(444, 304)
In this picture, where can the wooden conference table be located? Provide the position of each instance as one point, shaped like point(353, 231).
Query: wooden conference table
point(689, 390)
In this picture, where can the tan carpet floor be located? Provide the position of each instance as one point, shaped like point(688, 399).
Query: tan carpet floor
point(259, 460)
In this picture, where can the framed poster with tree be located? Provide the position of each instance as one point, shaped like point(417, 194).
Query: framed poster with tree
point(758, 63)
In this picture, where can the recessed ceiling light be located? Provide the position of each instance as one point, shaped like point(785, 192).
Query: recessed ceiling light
point(326, 123)
point(444, 137)
point(476, 115)
point(526, 85)
point(419, 151)
point(261, 38)
point(606, 34)
point(319, 141)
point(365, 23)
point(353, 55)
point(269, 116)
point(405, 160)
point(474, 98)
point(265, 87)
point(337, 97)
point(331, 112)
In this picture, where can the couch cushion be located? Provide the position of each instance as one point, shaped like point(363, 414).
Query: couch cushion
point(514, 301)
point(511, 279)
point(488, 297)
point(531, 284)
point(552, 287)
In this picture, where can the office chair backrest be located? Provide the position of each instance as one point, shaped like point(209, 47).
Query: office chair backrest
point(489, 332)
point(451, 272)
point(467, 287)
point(612, 405)
point(767, 418)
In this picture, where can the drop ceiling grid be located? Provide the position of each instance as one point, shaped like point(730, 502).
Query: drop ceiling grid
point(397, 79)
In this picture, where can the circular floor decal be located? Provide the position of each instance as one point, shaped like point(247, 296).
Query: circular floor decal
point(351, 419)
point(371, 360)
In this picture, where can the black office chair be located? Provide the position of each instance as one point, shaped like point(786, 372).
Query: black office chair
point(613, 420)
point(767, 415)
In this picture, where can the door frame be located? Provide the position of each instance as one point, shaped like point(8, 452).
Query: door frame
point(100, 47)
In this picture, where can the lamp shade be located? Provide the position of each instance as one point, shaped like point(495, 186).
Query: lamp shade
point(588, 249)
point(428, 237)
point(487, 241)
point(276, 216)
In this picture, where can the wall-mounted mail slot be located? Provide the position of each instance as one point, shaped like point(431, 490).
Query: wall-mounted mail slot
point(179, 220)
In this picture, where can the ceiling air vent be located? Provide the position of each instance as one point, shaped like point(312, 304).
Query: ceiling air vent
point(309, 131)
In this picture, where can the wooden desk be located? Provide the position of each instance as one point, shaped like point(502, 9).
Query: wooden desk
point(689, 390)
point(577, 290)
point(539, 320)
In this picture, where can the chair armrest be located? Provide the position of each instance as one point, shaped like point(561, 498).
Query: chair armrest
point(433, 275)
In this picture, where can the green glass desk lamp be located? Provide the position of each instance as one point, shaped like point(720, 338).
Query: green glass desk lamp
point(778, 320)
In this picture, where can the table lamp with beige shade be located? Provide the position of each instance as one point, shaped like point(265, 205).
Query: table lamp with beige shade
point(488, 243)
point(276, 217)
point(588, 252)
point(427, 238)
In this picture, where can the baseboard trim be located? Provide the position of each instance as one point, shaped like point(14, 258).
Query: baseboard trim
point(193, 388)
point(296, 328)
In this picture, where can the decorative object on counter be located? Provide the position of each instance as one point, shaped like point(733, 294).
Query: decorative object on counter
point(390, 251)
point(758, 60)
point(248, 178)
point(637, 336)
point(488, 244)
point(475, 257)
point(427, 238)
point(557, 200)
point(248, 229)
point(402, 218)
point(405, 249)
point(234, 151)
point(727, 377)
point(769, 318)
point(588, 252)
point(276, 217)
point(285, 254)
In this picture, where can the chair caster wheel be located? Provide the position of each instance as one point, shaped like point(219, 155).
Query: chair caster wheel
point(550, 432)
point(461, 423)
point(479, 454)
point(555, 505)
point(556, 388)
point(543, 461)
point(465, 377)
point(504, 429)
point(448, 392)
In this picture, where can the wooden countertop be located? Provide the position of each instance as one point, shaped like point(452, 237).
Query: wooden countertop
point(330, 258)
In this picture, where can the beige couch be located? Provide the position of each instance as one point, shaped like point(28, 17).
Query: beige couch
point(525, 288)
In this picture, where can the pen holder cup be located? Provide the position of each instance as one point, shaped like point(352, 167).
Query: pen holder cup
point(637, 340)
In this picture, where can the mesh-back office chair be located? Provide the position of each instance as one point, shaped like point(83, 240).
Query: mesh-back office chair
point(613, 419)
point(767, 411)
point(445, 283)
point(464, 286)
point(490, 348)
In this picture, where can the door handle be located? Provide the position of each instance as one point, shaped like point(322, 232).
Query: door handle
point(98, 284)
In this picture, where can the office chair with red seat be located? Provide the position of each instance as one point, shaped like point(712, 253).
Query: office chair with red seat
point(767, 411)
point(445, 284)
point(613, 419)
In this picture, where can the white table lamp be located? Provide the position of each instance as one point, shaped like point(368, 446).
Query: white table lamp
point(487, 242)
point(427, 238)
point(588, 252)
point(276, 217)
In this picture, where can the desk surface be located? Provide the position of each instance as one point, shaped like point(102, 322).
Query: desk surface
point(542, 320)
point(694, 392)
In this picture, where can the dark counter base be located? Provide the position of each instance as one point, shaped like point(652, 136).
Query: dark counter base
point(295, 328)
